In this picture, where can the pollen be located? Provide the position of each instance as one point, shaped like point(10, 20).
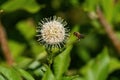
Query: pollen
point(52, 32)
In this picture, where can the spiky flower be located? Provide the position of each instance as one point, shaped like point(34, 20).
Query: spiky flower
point(52, 32)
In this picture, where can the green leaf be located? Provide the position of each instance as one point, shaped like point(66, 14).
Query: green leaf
point(73, 38)
point(97, 69)
point(76, 77)
point(108, 8)
point(34, 64)
point(23, 61)
point(61, 63)
point(114, 65)
point(118, 34)
point(48, 75)
point(83, 54)
point(37, 49)
point(2, 77)
point(116, 12)
point(12, 5)
point(25, 74)
point(16, 48)
point(74, 2)
point(40, 71)
point(9, 73)
point(90, 5)
point(24, 26)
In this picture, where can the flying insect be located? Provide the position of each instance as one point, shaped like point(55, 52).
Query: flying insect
point(79, 35)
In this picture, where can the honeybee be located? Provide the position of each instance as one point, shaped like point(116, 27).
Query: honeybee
point(78, 35)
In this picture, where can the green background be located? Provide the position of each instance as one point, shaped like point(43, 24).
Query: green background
point(92, 58)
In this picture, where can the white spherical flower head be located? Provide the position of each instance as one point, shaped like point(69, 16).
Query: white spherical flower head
point(52, 32)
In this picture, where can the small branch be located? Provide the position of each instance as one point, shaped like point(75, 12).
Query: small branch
point(4, 45)
point(108, 28)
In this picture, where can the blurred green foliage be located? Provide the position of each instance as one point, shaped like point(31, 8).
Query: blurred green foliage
point(92, 58)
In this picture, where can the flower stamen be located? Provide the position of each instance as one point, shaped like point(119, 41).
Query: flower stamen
point(52, 32)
